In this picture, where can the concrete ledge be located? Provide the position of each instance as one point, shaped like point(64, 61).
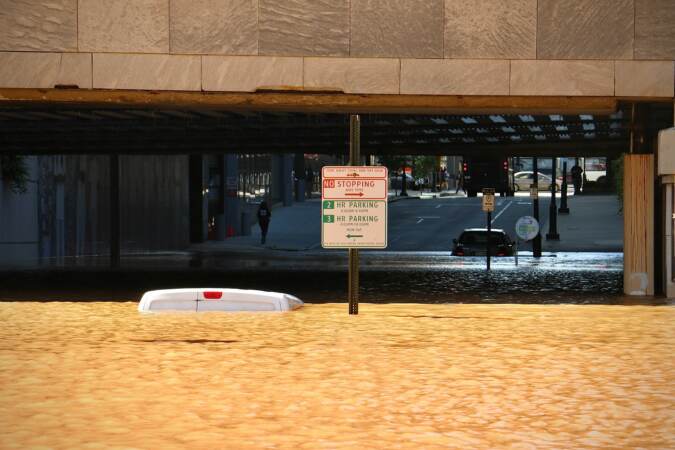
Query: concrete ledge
point(45, 70)
point(248, 73)
point(562, 77)
point(353, 75)
point(454, 77)
point(645, 78)
point(153, 72)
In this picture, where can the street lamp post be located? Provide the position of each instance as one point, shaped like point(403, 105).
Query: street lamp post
point(563, 195)
point(536, 242)
point(552, 234)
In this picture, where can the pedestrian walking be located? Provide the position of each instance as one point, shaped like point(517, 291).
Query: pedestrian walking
point(460, 183)
point(264, 216)
point(444, 179)
point(576, 172)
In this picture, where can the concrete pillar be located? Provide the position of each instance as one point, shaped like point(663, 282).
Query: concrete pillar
point(666, 172)
point(668, 242)
point(197, 199)
point(232, 201)
point(638, 187)
point(276, 182)
point(299, 177)
point(286, 176)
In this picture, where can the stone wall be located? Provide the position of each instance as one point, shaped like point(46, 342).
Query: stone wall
point(619, 48)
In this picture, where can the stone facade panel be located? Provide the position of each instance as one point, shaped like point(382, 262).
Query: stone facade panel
point(397, 28)
point(138, 26)
point(562, 78)
point(304, 27)
point(491, 29)
point(655, 29)
point(44, 70)
point(248, 73)
point(227, 27)
point(151, 72)
point(42, 25)
point(353, 75)
point(75, 70)
point(585, 29)
point(645, 78)
point(28, 70)
point(454, 77)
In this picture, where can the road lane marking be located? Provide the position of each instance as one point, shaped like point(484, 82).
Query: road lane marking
point(502, 211)
point(426, 217)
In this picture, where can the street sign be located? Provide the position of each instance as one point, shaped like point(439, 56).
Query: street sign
point(354, 207)
point(354, 182)
point(488, 199)
point(527, 228)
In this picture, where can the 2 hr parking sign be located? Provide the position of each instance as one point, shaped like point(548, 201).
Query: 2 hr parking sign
point(354, 207)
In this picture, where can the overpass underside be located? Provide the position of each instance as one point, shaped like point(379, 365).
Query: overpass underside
point(91, 122)
point(139, 122)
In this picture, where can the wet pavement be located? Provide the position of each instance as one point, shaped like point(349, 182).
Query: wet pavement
point(397, 376)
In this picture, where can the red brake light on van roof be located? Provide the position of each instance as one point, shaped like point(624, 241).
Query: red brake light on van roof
point(213, 295)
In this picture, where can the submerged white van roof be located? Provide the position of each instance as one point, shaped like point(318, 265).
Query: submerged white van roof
point(217, 299)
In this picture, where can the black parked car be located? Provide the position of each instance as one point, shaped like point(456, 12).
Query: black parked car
point(473, 242)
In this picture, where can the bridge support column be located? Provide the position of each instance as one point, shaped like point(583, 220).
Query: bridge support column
point(286, 176)
point(198, 199)
point(638, 207)
point(232, 202)
point(666, 171)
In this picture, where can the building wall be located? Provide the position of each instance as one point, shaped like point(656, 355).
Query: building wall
point(154, 203)
point(619, 48)
point(18, 220)
point(66, 209)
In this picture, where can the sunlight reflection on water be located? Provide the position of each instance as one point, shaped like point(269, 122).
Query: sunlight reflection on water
point(395, 376)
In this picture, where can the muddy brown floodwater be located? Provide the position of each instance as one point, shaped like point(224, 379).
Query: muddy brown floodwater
point(410, 376)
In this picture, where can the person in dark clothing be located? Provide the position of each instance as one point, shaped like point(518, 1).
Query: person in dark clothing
point(264, 216)
point(576, 172)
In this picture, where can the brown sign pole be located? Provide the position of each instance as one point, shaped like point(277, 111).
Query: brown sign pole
point(354, 160)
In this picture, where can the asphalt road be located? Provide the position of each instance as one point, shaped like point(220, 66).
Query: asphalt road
point(432, 224)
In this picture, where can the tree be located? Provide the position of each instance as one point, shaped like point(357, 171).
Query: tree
point(13, 171)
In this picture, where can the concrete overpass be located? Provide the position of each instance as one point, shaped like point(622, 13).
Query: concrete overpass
point(419, 57)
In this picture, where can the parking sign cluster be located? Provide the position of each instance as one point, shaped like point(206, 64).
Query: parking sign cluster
point(354, 207)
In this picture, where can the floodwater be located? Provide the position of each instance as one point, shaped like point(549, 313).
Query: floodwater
point(409, 376)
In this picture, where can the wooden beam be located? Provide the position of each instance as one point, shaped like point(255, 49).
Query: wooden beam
point(316, 102)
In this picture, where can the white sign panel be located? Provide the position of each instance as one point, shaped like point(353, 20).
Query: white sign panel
point(354, 207)
point(348, 182)
point(527, 228)
point(354, 223)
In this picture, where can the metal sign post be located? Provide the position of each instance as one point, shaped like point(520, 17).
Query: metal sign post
point(354, 160)
point(488, 207)
point(354, 210)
